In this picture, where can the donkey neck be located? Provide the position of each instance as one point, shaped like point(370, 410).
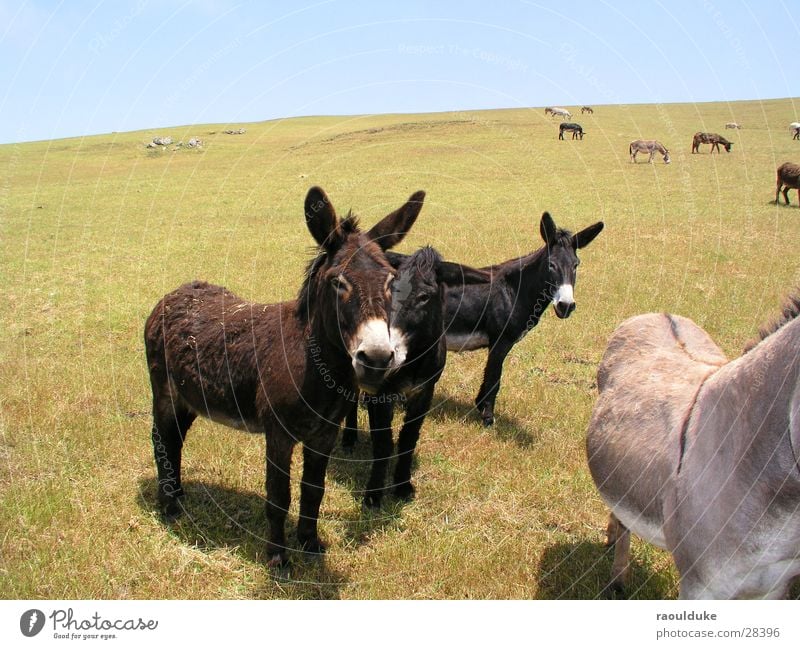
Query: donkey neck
point(757, 390)
point(528, 277)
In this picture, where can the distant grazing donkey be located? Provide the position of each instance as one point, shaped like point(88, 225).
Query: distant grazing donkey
point(587, 109)
point(499, 313)
point(648, 146)
point(558, 112)
point(714, 139)
point(576, 130)
point(278, 369)
point(788, 178)
point(417, 325)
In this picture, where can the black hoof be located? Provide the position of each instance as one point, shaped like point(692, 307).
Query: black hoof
point(614, 590)
point(405, 491)
point(278, 563)
point(171, 508)
point(372, 500)
point(488, 421)
point(312, 546)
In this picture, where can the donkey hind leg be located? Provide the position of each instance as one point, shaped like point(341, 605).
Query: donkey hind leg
point(316, 454)
point(350, 431)
point(416, 410)
point(619, 537)
point(491, 380)
point(786, 194)
point(171, 422)
point(380, 425)
point(279, 460)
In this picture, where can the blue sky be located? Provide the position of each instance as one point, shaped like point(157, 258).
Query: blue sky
point(79, 68)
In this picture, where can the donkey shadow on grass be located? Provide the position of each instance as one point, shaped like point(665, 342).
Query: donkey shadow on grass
point(506, 428)
point(581, 570)
point(351, 470)
point(219, 517)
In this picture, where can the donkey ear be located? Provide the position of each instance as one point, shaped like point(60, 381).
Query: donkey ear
point(390, 230)
point(453, 274)
point(587, 235)
point(547, 228)
point(321, 217)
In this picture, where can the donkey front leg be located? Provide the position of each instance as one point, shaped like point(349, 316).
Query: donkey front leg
point(491, 380)
point(380, 425)
point(279, 460)
point(171, 422)
point(316, 454)
point(350, 431)
point(416, 410)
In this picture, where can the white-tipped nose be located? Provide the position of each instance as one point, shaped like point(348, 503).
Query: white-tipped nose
point(563, 301)
point(373, 355)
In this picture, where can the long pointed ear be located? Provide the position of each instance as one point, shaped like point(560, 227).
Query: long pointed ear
point(321, 218)
point(547, 228)
point(391, 229)
point(587, 235)
point(453, 274)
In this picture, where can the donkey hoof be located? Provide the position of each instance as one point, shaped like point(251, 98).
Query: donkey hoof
point(614, 590)
point(405, 491)
point(171, 509)
point(313, 546)
point(372, 501)
point(488, 420)
point(278, 561)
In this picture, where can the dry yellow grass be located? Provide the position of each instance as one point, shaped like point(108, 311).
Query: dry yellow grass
point(94, 230)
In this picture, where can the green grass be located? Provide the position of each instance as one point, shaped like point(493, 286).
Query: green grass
point(93, 231)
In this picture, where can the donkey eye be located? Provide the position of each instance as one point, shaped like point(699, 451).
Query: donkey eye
point(423, 299)
point(341, 285)
point(553, 267)
point(387, 286)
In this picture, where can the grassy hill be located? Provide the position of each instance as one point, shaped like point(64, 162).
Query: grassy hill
point(93, 231)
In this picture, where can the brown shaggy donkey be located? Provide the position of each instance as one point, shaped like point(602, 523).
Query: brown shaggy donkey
point(788, 178)
point(714, 139)
point(283, 370)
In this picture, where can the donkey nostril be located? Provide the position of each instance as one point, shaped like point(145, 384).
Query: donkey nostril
point(377, 359)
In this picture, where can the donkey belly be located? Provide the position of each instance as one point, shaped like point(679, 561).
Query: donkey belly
point(650, 373)
point(467, 342)
point(632, 477)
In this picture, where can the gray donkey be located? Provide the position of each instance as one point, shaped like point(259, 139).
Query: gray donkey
point(699, 455)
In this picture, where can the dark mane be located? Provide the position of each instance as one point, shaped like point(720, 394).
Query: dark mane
point(423, 261)
point(348, 226)
point(789, 311)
